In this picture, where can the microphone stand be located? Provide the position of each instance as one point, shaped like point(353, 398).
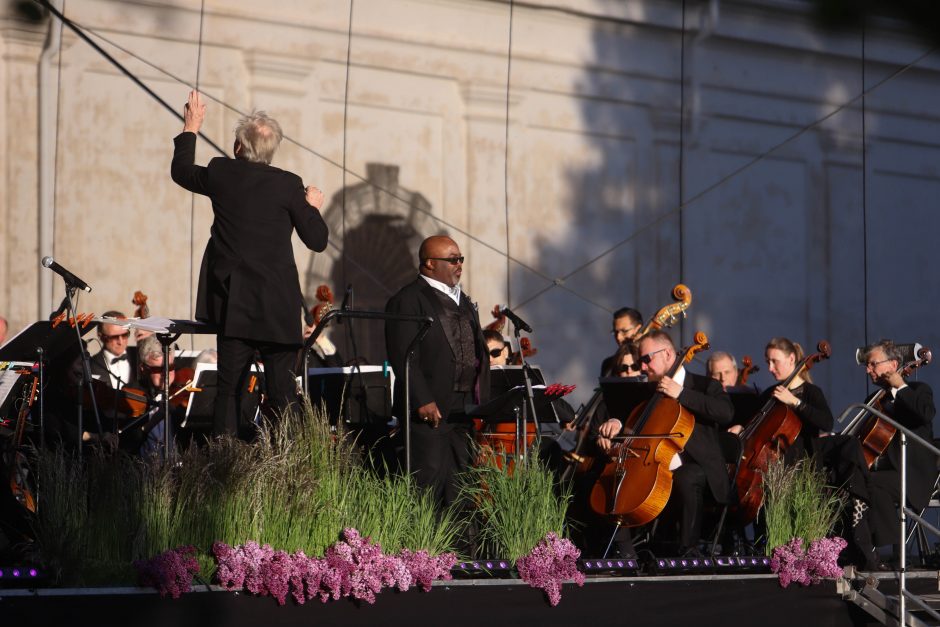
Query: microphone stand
point(86, 367)
point(529, 406)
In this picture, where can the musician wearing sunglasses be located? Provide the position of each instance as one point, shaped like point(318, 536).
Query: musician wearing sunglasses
point(449, 370)
point(497, 347)
point(114, 364)
point(626, 324)
point(700, 467)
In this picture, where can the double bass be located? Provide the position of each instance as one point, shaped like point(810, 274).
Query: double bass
point(766, 437)
point(635, 485)
point(875, 434)
point(746, 370)
point(577, 458)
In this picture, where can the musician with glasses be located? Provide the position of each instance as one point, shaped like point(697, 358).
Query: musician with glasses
point(497, 347)
point(700, 466)
point(449, 371)
point(114, 364)
point(626, 325)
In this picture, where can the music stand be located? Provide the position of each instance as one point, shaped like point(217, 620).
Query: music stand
point(513, 406)
point(623, 395)
point(355, 404)
point(746, 405)
point(46, 342)
point(200, 409)
point(505, 378)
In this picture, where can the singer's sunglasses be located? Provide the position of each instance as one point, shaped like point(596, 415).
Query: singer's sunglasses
point(451, 260)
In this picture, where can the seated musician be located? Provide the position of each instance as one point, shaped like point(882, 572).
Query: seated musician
point(114, 364)
point(805, 399)
point(146, 436)
point(723, 368)
point(701, 465)
point(323, 353)
point(627, 323)
point(497, 347)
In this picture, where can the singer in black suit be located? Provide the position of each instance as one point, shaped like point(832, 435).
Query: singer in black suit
point(701, 465)
point(449, 370)
point(248, 283)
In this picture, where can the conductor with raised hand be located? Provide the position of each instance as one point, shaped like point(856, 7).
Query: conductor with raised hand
point(248, 282)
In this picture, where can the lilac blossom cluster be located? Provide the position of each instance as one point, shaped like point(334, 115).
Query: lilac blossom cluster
point(170, 572)
point(354, 567)
point(820, 561)
point(552, 562)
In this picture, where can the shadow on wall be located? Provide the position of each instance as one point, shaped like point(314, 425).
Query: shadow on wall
point(377, 233)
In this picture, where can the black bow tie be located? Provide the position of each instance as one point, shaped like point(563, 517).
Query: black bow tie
point(123, 357)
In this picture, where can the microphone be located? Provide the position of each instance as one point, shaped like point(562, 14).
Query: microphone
point(70, 279)
point(518, 322)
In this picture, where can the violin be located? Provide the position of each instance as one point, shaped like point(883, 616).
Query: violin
point(747, 369)
point(635, 486)
point(577, 458)
point(875, 434)
point(142, 310)
point(766, 438)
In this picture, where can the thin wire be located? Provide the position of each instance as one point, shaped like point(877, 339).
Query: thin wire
point(682, 158)
point(506, 158)
point(58, 117)
point(864, 194)
point(192, 206)
point(345, 112)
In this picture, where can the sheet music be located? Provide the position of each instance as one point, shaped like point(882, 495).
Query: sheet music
point(8, 379)
point(154, 324)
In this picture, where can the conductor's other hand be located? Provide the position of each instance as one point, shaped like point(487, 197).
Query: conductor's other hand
point(194, 112)
point(314, 196)
point(430, 414)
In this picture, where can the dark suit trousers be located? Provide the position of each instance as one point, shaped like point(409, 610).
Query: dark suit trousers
point(687, 500)
point(438, 455)
point(235, 358)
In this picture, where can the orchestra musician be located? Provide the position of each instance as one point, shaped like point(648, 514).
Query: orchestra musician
point(248, 283)
point(449, 370)
point(701, 465)
point(723, 368)
point(497, 347)
point(146, 438)
point(626, 324)
point(114, 364)
point(803, 397)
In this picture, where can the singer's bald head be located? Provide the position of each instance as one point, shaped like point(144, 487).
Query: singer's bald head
point(440, 259)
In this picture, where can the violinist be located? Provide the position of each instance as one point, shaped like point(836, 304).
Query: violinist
point(701, 465)
point(805, 399)
point(114, 364)
point(146, 436)
point(627, 323)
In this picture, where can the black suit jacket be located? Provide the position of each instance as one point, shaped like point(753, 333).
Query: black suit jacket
point(433, 365)
point(713, 411)
point(914, 408)
point(248, 282)
point(100, 370)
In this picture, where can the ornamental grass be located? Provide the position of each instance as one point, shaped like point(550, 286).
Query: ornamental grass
point(798, 503)
point(295, 488)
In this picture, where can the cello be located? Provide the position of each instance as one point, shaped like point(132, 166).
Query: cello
point(766, 437)
point(635, 485)
point(577, 458)
point(875, 434)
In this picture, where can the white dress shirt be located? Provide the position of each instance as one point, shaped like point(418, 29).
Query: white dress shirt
point(453, 292)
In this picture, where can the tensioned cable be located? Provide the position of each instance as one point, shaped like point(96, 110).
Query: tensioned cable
point(192, 206)
point(682, 158)
point(345, 118)
point(506, 158)
point(864, 197)
point(58, 117)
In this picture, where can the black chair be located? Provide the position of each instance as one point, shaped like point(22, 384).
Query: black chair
point(732, 450)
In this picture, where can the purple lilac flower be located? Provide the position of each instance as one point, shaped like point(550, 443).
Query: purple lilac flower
point(820, 561)
point(171, 572)
point(552, 562)
point(424, 568)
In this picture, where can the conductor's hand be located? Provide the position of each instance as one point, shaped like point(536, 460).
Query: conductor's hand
point(194, 112)
point(430, 414)
point(314, 196)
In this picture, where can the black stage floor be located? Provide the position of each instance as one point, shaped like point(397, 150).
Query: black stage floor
point(691, 600)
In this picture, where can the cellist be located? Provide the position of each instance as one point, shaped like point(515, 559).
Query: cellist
point(805, 399)
point(700, 466)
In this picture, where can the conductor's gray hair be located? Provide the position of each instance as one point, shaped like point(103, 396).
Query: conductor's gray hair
point(259, 135)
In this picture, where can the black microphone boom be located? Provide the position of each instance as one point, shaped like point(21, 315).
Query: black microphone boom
point(518, 322)
point(70, 279)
